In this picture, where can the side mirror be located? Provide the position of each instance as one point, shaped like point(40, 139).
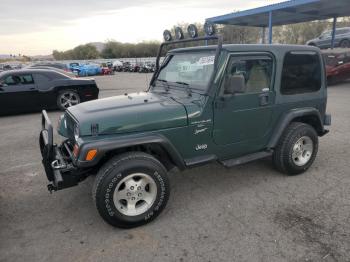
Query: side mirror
point(235, 84)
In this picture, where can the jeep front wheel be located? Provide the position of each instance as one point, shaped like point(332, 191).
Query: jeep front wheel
point(297, 149)
point(131, 190)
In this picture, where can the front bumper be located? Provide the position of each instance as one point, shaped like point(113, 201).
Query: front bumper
point(57, 160)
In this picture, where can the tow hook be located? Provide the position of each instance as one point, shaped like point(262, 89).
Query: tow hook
point(51, 188)
point(56, 165)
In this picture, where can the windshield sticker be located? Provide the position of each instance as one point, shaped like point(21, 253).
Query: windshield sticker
point(206, 60)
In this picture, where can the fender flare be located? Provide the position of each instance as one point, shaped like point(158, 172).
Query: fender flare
point(288, 117)
point(104, 146)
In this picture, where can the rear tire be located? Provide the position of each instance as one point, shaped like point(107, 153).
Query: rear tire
point(297, 149)
point(67, 98)
point(344, 43)
point(131, 189)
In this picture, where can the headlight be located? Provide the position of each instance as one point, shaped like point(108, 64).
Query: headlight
point(76, 132)
point(60, 121)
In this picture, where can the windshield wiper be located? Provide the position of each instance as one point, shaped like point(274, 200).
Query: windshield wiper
point(166, 86)
point(188, 89)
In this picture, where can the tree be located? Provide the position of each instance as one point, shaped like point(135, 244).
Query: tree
point(87, 51)
point(114, 49)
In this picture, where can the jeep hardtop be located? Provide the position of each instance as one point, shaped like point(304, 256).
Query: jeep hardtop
point(226, 103)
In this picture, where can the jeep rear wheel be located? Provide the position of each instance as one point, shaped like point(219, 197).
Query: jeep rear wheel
point(131, 190)
point(297, 149)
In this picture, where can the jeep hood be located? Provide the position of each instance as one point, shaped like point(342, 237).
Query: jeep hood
point(129, 113)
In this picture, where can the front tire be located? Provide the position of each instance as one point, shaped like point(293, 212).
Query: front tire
point(297, 149)
point(131, 189)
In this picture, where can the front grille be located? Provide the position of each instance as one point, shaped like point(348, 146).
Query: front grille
point(70, 126)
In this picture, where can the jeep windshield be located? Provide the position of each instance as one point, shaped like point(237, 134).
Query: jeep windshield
point(188, 70)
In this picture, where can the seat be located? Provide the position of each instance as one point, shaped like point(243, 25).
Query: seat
point(234, 83)
point(258, 79)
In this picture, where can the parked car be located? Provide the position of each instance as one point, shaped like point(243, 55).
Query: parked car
point(30, 90)
point(342, 39)
point(61, 66)
point(146, 68)
point(118, 66)
point(87, 70)
point(127, 67)
point(5, 67)
point(73, 65)
point(337, 67)
point(106, 70)
point(134, 68)
point(69, 73)
point(256, 101)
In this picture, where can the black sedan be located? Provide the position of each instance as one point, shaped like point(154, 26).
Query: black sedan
point(36, 89)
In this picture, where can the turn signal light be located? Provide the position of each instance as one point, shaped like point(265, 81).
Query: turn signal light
point(91, 154)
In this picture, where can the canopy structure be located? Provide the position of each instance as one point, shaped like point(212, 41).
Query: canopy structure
point(288, 12)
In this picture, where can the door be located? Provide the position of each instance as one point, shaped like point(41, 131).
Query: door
point(325, 40)
point(18, 93)
point(244, 118)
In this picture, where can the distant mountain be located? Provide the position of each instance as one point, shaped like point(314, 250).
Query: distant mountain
point(4, 56)
point(99, 45)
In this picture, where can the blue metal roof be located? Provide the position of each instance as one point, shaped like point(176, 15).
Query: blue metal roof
point(289, 12)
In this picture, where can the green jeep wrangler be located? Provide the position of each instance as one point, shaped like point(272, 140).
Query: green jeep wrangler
point(226, 103)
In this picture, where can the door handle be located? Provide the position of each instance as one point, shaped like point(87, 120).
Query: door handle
point(32, 88)
point(264, 99)
point(220, 103)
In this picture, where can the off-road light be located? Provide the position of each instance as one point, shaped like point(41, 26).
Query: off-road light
point(192, 31)
point(209, 28)
point(167, 35)
point(178, 33)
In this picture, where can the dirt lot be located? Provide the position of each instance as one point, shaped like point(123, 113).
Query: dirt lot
point(247, 213)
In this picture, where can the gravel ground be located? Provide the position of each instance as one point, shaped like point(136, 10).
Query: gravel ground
point(246, 213)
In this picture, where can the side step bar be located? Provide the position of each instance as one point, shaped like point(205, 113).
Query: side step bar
point(245, 159)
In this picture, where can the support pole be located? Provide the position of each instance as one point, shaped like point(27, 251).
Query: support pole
point(270, 27)
point(333, 31)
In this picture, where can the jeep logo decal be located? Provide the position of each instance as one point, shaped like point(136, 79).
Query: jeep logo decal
point(201, 147)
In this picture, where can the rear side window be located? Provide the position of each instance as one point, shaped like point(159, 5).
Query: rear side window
point(301, 73)
point(342, 31)
point(19, 79)
point(27, 79)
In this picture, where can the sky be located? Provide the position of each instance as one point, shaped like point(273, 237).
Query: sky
point(36, 27)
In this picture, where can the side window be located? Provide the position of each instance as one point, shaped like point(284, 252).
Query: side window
point(19, 80)
point(341, 31)
point(26, 79)
point(326, 34)
point(301, 73)
point(12, 80)
point(254, 74)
